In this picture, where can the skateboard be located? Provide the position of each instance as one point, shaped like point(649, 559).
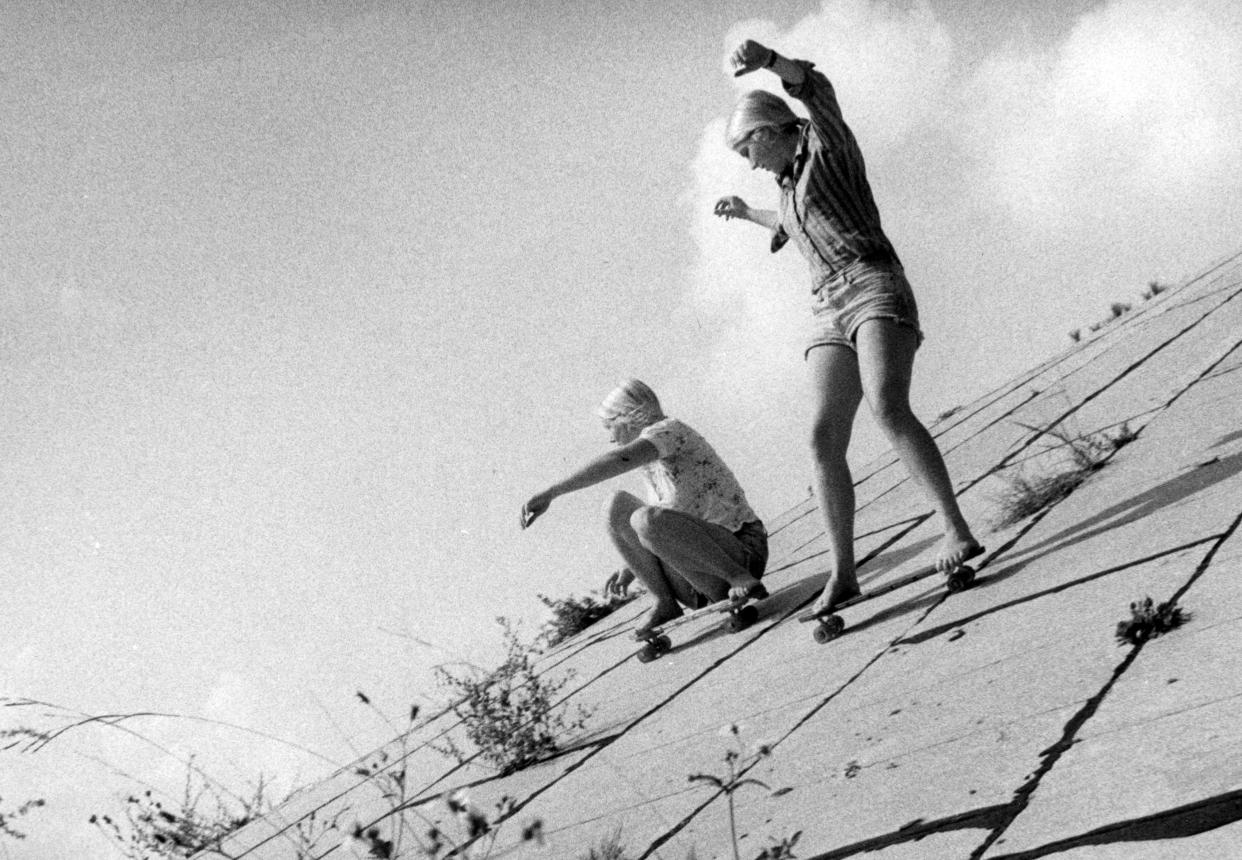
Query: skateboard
point(831, 625)
point(741, 615)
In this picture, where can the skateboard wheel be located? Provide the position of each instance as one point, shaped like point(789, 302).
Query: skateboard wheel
point(664, 644)
point(647, 653)
point(960, 579)
point(828, 629)
point(743, 618)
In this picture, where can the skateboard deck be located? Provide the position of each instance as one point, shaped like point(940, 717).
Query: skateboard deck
point(743, 614)
point(831, 625)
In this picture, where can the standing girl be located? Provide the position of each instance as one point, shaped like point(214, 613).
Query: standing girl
point(865, 321)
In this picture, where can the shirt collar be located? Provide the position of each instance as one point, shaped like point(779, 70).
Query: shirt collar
point(794, 169)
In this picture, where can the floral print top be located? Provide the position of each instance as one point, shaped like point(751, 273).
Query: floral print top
point(690, 477)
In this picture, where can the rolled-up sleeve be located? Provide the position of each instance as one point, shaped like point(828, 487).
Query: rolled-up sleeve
point(820, 98)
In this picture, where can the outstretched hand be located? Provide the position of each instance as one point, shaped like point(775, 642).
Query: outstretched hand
point(619, 583)
point(535, 508)
point(749, 56)
point(731, 207)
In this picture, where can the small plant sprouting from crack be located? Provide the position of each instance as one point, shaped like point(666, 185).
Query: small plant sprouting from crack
point(511, 714)
point(572, 615)
point(1154, 288)
point(738, 761)
point(1024, 497)
point(1148, 620)
point(388, 774)
point(477, 837)
point(149, 828)
point(610, 847)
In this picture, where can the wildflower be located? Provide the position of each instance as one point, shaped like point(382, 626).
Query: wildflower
point(476, 822)
point(457, 802)
point(533, 832)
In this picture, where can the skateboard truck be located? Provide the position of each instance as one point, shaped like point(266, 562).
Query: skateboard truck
point(831, 625)
point(742, 614)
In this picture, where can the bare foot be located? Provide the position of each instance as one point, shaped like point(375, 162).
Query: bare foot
point(836, 591)
point(656, 616)
point(955, 549)
point(746, 589)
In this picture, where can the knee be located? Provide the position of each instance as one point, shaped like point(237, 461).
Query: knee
point(829, 439)
point(894, 415)
point(617, 509)
point(648, 523)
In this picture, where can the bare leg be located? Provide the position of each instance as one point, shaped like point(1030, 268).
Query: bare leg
point(667, 590)
point(706, 555)
point(886, 361)
point(838, 391)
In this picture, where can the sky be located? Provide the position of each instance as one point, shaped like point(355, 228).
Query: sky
point(299, 303)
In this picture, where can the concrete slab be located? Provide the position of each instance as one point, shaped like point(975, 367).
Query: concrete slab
point(937, 723)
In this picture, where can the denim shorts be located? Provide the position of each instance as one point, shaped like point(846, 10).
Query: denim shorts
point(862, 291)
point(754, 539)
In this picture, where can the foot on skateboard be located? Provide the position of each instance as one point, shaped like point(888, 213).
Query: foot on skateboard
point(829, 625)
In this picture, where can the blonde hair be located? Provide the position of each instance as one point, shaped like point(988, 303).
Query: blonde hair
point(755, 110)
point(632, 402)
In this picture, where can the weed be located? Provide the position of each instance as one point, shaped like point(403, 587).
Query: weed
point(609, 848)
point(510, 714)
point(780, 849)
point(7, 818)
point(149, 829)
point(1024, 497)
point(1075, 335)
point(1118, 308)
point(1154, 288)
point(477, 832)
point(1147, 621)
point(571, 615)
point(738, 761)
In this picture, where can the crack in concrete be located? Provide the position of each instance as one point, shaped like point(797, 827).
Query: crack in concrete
point(1052, 755)
point(1180, 822)
point(933, 632)
point(997, 818)
point(1005, 461)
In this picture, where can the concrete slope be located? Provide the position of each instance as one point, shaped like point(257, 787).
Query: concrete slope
point(1002, 722)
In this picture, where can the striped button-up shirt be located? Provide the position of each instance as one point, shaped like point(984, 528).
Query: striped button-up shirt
point(826, 204)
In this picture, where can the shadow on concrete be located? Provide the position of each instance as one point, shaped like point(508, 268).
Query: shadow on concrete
point(1173, 491)
point(1227, 439)
point(1005, 573)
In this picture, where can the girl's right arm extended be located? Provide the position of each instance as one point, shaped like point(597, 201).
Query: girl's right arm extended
point(605, 466)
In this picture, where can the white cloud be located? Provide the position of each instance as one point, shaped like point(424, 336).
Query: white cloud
point(1025, 191)
point(1129, 125)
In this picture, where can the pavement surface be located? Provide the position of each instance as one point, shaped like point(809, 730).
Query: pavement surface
point(1004, 721)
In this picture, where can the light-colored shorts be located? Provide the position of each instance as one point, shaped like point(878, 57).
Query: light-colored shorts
point(862, 291)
